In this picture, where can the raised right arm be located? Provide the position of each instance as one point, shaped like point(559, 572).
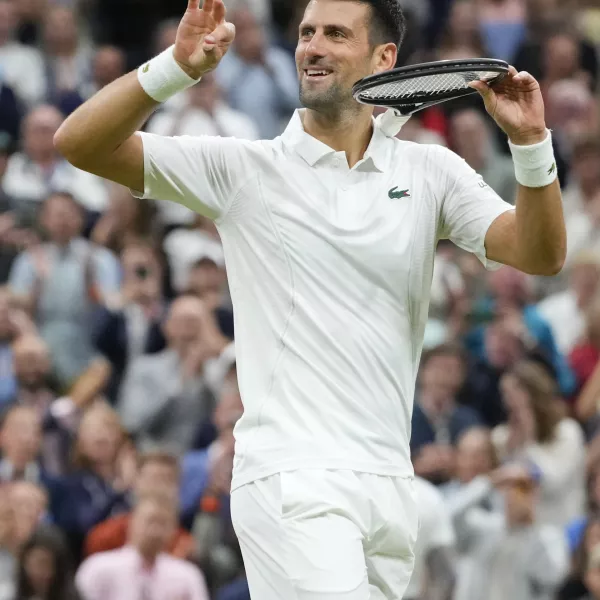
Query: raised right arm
point(100, 136)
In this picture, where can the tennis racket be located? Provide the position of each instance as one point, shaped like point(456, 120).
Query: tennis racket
point(416, 87)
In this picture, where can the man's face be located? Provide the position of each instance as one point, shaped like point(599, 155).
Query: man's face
point(333, 39)
point(473, 456)
point(38, 132)
point(157, 478)
point(152, 526)
point(32, 363)
point(21, 437)
point(61, 219)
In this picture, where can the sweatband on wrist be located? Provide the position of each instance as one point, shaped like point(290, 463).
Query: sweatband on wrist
point(162, 77)
point(535, 165)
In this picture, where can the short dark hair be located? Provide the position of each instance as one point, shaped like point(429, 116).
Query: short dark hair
point(388, 23)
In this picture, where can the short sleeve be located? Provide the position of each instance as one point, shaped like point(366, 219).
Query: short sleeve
point(203, 173)
point(469, 205)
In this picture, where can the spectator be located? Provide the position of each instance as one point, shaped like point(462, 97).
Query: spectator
point(562, 60)
point(108, 64)
point(539, 434)
point(185, 247)
point(11, 325)
point(38, 171)
point(566, 311)
point(142, 569)
point(584, 183)
point(473, 140)
point(433, 575)
point(62, 282)
point(17, 59)
point(585, 360)
point(462, 38)
point(511, 294)
point(68, 60)
point(166, 397)
point(132, 326)
point(438, 420)
point(36, 390)
point(572, 114)
point(258, 79)
point(30, 508)
point(514, 556)
point(475, 457)
point(127, 220)
point(503, 27)
point(20, 445)
point(475, 463)
point(158, 473)
point(8, 546)
point(45, 568)
point(104, 472)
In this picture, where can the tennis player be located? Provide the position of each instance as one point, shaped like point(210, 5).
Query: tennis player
point(329, 234)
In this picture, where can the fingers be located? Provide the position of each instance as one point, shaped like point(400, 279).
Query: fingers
point(218, 11)
point(224, 34)
point(207, 5)
point(482, 87)
point(193, 4)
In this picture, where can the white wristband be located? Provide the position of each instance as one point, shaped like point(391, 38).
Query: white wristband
point(535, 166)
point(162, 77)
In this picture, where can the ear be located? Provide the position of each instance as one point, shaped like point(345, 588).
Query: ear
point(384, 57)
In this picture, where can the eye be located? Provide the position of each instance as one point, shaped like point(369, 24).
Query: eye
point(337, 34)
point(306, 33)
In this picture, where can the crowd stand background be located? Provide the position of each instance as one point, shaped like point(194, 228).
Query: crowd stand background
point(118, 391)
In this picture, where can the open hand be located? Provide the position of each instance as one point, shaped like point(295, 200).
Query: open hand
point(517, 106)
point(203, 37)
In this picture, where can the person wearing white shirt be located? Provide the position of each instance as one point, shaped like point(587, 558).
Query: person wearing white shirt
point(433, 574)
point(566, 311)
point(21, 67)
point(33, 174)
point(329, 234)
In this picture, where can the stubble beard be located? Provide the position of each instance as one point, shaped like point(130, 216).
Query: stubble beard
point(332, 102)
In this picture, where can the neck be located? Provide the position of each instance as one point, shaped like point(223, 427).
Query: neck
point(148, 556)
point(346, 132)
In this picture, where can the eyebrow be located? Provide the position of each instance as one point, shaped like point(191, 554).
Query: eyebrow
point(328, 28)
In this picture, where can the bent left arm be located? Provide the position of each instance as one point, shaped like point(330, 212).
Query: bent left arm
point(533, 238)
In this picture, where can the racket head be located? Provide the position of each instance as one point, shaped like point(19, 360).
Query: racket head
point(415, 87)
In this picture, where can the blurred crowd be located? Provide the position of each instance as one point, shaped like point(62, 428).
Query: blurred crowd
point(118, 388)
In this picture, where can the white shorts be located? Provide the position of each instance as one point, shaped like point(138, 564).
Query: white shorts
point(327, 535)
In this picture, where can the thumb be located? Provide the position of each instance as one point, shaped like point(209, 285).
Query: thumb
point(224, 34)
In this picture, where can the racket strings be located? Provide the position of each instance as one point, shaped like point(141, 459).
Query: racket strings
point(424, 86)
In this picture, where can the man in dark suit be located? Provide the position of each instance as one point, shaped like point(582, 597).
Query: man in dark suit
point(132, 326)
point(20, 445)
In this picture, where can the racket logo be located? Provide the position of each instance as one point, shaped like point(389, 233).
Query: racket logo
point(394, 194)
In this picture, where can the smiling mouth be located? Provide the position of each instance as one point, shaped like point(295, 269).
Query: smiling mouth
point(317, 74)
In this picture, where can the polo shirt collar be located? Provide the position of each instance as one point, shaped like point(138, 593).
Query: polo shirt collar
point(313, 150)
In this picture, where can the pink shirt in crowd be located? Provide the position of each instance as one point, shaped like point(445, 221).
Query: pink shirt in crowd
point(121, 575)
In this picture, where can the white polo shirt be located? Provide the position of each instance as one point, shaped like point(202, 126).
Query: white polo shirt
point(330, 271)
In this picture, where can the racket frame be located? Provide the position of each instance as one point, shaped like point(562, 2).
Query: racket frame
point(428, 69)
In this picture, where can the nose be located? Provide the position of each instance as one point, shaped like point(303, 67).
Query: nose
point(316, 47)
